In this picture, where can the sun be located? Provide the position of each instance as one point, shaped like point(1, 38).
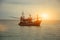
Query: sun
point(44, 16)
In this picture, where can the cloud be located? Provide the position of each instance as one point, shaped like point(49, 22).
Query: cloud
point(49, 2)
point(20, 1)
point(24, 1)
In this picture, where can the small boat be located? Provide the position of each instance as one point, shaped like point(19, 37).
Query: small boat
point(29, 21)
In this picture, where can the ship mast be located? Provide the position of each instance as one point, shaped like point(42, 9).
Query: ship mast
point(37, 16)
point(22, 17)
point(22, 14)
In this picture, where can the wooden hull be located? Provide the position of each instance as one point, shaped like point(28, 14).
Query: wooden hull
point(29, 24)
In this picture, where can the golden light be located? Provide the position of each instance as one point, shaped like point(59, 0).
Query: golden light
point(44, 16)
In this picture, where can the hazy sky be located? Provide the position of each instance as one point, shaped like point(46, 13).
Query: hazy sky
point(15, 7)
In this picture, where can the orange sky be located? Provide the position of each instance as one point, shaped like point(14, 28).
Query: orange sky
point(15, 8)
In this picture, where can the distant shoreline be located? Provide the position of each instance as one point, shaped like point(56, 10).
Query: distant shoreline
point(18, 20)
point(8, 20)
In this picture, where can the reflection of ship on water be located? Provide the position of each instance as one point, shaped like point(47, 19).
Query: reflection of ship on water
point(29, 21)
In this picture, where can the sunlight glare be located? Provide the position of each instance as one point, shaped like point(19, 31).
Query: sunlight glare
point(44, 16)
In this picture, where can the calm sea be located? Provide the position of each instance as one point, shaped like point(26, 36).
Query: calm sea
point(10, 30)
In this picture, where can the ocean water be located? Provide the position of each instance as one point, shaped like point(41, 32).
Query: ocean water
point(10, 30)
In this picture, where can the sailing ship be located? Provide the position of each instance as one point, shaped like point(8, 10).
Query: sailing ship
point(29, 21)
